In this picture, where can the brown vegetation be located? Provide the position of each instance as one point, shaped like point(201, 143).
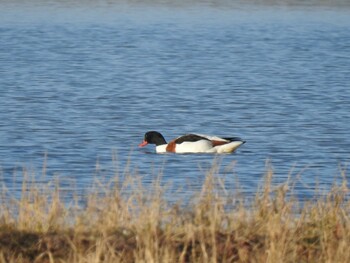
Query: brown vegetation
point(138, 225)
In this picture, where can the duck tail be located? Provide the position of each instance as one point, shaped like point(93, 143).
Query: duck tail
point(229, 147)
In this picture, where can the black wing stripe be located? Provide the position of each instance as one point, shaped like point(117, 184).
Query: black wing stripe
point(190, 138)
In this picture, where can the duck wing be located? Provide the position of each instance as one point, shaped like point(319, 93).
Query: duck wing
point(232, 139)
point(190, 138)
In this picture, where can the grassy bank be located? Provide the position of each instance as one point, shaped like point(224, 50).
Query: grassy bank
point(141, 226)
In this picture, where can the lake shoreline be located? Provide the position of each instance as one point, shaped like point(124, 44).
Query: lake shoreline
point(129, 223)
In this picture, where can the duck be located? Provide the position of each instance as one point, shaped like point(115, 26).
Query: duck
point(192, 143)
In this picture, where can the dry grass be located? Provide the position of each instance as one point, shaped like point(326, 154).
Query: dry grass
point(129, 223)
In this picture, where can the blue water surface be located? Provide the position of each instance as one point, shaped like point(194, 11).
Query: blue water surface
point(82, 82)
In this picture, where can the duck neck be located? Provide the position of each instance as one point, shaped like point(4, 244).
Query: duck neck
point(160, 141)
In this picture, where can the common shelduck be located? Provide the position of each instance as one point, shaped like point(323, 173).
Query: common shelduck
point(192, 143)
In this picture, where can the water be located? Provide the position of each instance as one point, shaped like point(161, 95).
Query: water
point(82, 82)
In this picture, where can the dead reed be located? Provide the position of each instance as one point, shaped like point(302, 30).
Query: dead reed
point(129, 223)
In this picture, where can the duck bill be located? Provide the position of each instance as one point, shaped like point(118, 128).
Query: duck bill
point(143, 144)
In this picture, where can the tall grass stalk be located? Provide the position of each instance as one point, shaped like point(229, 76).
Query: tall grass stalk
point(124, 221)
